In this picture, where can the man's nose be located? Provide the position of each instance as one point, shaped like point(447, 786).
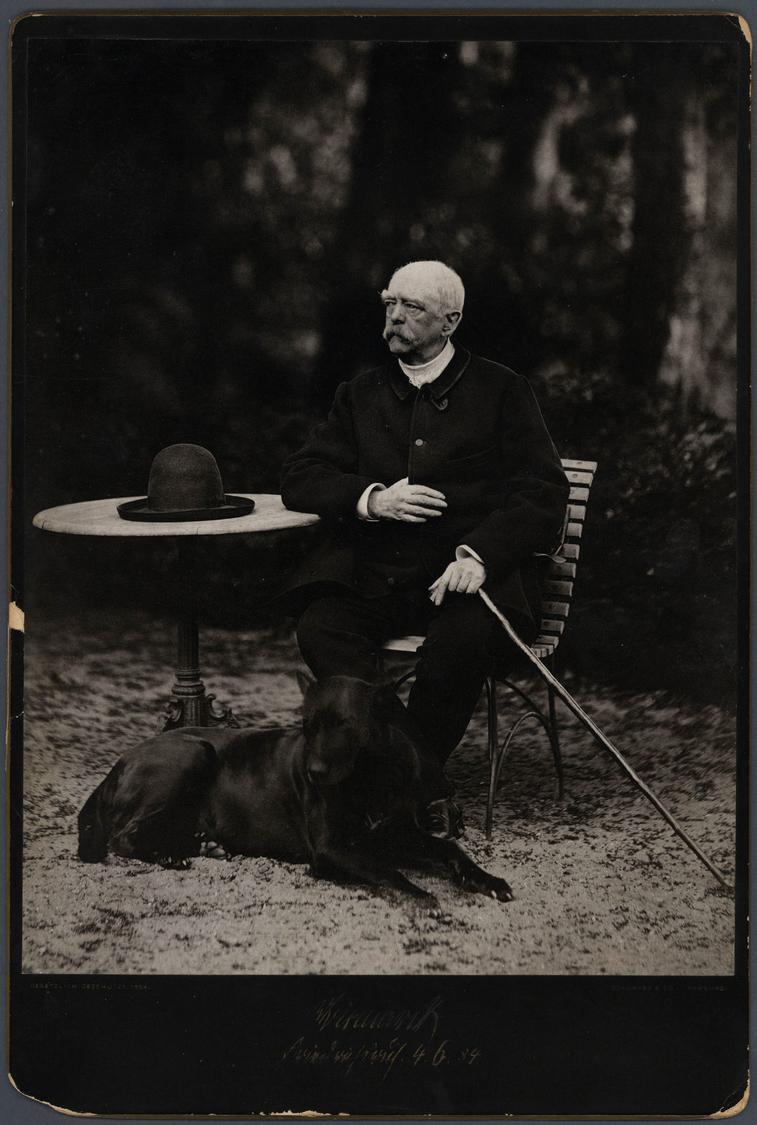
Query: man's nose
point(396, 314)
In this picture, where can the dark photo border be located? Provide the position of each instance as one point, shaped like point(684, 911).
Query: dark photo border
point(550, 1046)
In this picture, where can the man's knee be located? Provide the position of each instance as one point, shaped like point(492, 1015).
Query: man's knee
point(335, 636)
point(461, 629)
point(314, 620)
point(319, 623)
point(469, 637)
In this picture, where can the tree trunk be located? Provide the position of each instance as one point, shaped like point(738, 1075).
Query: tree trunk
point(662, 229)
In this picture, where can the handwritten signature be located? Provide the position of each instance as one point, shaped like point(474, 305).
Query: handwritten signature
point(345, 1016)
point(397, 1051)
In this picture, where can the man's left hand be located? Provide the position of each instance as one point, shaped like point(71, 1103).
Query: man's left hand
point(464, 576)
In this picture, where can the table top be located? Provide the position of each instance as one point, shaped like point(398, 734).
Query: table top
point(100, 517)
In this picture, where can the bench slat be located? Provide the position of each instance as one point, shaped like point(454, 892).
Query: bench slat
point(563, 570)
point(575, 477)
point(574, 530)
point(570, 550)
point(555, 586)
point(560, 609)
point(550, 625)
point(403, 644)
point(577, 512)
point(590, 466)
point(577, 493)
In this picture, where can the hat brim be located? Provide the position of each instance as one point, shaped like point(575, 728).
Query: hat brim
point(139, 510)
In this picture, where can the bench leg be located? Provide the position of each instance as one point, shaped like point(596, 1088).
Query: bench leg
point(403, 680)
point(499, 758)
point(497, 753)
point(554, 732)
point(554, 741)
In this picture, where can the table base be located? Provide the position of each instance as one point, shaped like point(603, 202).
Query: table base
point(198, 711)
point(191, 707)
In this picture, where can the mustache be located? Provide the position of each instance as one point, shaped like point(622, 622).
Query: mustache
point(389, 332)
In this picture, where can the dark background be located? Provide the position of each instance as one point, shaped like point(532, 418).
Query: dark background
point(209, 222)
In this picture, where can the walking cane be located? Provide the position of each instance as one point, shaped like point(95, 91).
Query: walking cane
point(603, 741)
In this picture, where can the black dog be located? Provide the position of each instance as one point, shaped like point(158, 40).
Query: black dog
point(342, 792)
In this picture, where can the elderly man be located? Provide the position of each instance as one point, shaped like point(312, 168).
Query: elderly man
point(434, 474)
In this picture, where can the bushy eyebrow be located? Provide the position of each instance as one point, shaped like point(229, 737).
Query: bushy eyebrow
point(385, 295)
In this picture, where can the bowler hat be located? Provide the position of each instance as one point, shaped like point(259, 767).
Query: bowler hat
point(185, 484)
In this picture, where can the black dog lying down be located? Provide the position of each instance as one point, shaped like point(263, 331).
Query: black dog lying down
point(342, 793)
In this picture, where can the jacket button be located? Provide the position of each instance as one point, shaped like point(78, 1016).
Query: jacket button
point(390, 581)
point(419, 441)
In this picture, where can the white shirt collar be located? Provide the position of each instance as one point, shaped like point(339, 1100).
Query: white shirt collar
point(424, 373)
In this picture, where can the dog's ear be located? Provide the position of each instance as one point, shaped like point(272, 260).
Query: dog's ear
point(304, 679)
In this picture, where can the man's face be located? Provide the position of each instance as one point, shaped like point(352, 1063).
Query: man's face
point(415, 329)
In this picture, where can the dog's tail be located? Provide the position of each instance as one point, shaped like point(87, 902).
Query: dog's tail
point(93, 837)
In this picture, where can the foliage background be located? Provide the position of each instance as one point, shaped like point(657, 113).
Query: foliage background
point(208, 224)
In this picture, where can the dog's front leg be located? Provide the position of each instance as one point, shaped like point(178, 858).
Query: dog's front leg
point(465, 872)
point(340, 864)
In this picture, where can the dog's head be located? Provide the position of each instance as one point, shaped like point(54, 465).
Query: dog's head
point(348, 728)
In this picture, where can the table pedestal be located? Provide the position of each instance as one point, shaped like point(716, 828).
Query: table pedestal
point(191, 707)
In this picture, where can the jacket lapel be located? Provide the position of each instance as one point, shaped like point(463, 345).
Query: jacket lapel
point(441, 387)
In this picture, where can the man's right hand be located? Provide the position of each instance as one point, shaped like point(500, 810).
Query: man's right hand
point(412, 503)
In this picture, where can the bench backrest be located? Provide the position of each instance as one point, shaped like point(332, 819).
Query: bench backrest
point(561, 570)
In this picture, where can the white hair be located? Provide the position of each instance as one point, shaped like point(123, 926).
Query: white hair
point(437, 278)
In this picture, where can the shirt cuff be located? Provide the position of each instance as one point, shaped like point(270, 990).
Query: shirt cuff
point(362, 505)
point(463, 552)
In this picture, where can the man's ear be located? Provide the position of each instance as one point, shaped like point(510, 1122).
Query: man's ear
point(451, 321)
point(304, 679)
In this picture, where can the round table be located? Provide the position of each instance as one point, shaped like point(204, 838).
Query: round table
point(191, 706)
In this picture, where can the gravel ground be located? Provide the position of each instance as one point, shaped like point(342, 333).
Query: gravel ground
point(602, 884)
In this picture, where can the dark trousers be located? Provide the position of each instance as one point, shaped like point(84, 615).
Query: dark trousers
point(342, 636)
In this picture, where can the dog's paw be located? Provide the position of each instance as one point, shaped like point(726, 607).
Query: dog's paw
point(174, 863)
point(488, 885)
point(212, 850)
point(502, 891)
point(495, 888)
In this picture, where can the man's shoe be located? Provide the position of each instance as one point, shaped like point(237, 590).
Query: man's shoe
point(443, 819)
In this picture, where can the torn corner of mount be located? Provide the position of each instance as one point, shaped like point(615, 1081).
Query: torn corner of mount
point(15, 617)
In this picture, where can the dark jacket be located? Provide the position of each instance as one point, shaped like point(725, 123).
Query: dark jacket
point(476, 434)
